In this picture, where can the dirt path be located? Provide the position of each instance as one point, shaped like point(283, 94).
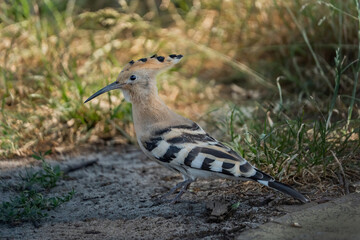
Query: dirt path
point(117, 199)
point(338, 219)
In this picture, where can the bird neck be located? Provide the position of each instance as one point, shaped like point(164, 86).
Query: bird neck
point(150, 111)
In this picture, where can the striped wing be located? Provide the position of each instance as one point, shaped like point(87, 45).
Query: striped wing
point(193, 152)
point(191, 147)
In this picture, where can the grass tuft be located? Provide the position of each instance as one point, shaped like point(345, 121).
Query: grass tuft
point(31, 200)
point(289, 145)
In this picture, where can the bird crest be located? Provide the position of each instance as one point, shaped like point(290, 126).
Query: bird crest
point(153, 64)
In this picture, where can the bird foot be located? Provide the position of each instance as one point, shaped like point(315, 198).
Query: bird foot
point(183, 186)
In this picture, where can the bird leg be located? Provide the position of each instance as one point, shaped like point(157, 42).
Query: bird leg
point(183, 189)
point(173, 189)
point(183, 186)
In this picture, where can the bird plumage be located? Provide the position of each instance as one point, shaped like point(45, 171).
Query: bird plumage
point(177, 142)
point(188, 149)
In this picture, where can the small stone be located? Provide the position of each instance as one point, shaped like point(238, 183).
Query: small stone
point(296, 224)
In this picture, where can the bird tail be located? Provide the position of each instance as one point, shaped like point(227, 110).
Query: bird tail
point(269, 181)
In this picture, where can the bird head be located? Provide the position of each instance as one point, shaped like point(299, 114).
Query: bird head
point(137, 79)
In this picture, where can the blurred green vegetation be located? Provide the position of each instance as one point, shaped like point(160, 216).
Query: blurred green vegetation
point(294, 64)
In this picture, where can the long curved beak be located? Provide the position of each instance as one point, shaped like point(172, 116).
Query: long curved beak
point(112, 86)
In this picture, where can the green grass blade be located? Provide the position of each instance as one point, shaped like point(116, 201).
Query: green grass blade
point(357, 70)
point(306, 39)
point(338, 71)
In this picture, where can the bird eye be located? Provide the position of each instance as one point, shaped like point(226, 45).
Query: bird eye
point(132, 77)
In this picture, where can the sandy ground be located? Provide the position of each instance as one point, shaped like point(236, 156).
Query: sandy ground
point(117, 198)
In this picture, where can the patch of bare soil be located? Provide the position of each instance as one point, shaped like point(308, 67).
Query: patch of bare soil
point(117, 198)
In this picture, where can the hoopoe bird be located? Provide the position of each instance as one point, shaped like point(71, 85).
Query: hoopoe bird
point(175, 141)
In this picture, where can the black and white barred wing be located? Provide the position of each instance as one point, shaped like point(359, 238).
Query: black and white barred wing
point(194, 153)
point(191, 147)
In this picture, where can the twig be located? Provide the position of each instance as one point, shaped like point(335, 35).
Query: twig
point(346, 183)
point(78, 166)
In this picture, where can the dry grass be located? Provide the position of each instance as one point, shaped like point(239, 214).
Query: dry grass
point(52, 57)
